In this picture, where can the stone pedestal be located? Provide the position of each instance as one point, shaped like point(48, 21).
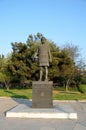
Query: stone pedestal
point(42, 94)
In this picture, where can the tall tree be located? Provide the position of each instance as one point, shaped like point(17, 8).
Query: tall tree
point(66, 68)
point(20, 62)
point(5, 76)
point(23, 68)
point(73, 51)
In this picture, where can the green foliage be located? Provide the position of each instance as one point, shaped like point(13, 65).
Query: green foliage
point(82, 88)
point(5, 76)
point(83, 79)
point(65, 65)
point(20, 62)
point(24, 69)
point(19, 68)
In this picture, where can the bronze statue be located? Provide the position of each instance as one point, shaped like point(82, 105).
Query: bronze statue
point(44, 57)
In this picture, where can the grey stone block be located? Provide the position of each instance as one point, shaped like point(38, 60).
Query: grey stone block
point(42, 94)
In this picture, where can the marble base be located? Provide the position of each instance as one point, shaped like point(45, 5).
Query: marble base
point(60, 112)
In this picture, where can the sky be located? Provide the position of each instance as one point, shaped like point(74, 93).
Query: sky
point(62, 21)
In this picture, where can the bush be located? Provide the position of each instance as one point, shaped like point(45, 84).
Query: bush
point(83, 79)
point(82, 88)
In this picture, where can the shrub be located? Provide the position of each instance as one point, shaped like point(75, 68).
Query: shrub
point(83, 79)
point(82, 88)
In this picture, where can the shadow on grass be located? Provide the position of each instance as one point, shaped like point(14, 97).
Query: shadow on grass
point(14, 95)
point(68, 92)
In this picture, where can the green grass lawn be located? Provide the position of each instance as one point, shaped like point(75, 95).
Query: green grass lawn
point(57, 95)
point(17, 93)
point(62, 95)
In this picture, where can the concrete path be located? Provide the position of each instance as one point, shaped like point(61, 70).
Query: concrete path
point(41, 124)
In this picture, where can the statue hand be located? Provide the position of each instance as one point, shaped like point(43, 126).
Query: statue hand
point(50, 60)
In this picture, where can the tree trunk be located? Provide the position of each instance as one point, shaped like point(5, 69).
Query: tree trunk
point(6, 85)
point(67, 85)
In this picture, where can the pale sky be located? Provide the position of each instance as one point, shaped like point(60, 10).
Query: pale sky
point(61, 21)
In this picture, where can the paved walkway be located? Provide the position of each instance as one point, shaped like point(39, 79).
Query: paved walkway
point(41, 124)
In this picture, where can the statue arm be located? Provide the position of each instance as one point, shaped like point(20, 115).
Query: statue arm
point(35, 57)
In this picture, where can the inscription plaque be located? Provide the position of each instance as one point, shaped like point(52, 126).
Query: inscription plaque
point(42, 94)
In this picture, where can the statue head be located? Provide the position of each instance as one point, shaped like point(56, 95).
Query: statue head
point(43, 39)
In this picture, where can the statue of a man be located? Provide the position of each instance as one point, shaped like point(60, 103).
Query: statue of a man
point(44, 57)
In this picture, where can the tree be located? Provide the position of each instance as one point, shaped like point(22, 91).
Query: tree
point(23, 69)
point(5, 79)
point(5, 76)
point(78, 64)
point(80, 72)
point(65, 68)
point(73, 51)
point(20, 63)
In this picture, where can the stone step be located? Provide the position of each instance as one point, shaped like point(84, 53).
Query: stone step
point(59, 112)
